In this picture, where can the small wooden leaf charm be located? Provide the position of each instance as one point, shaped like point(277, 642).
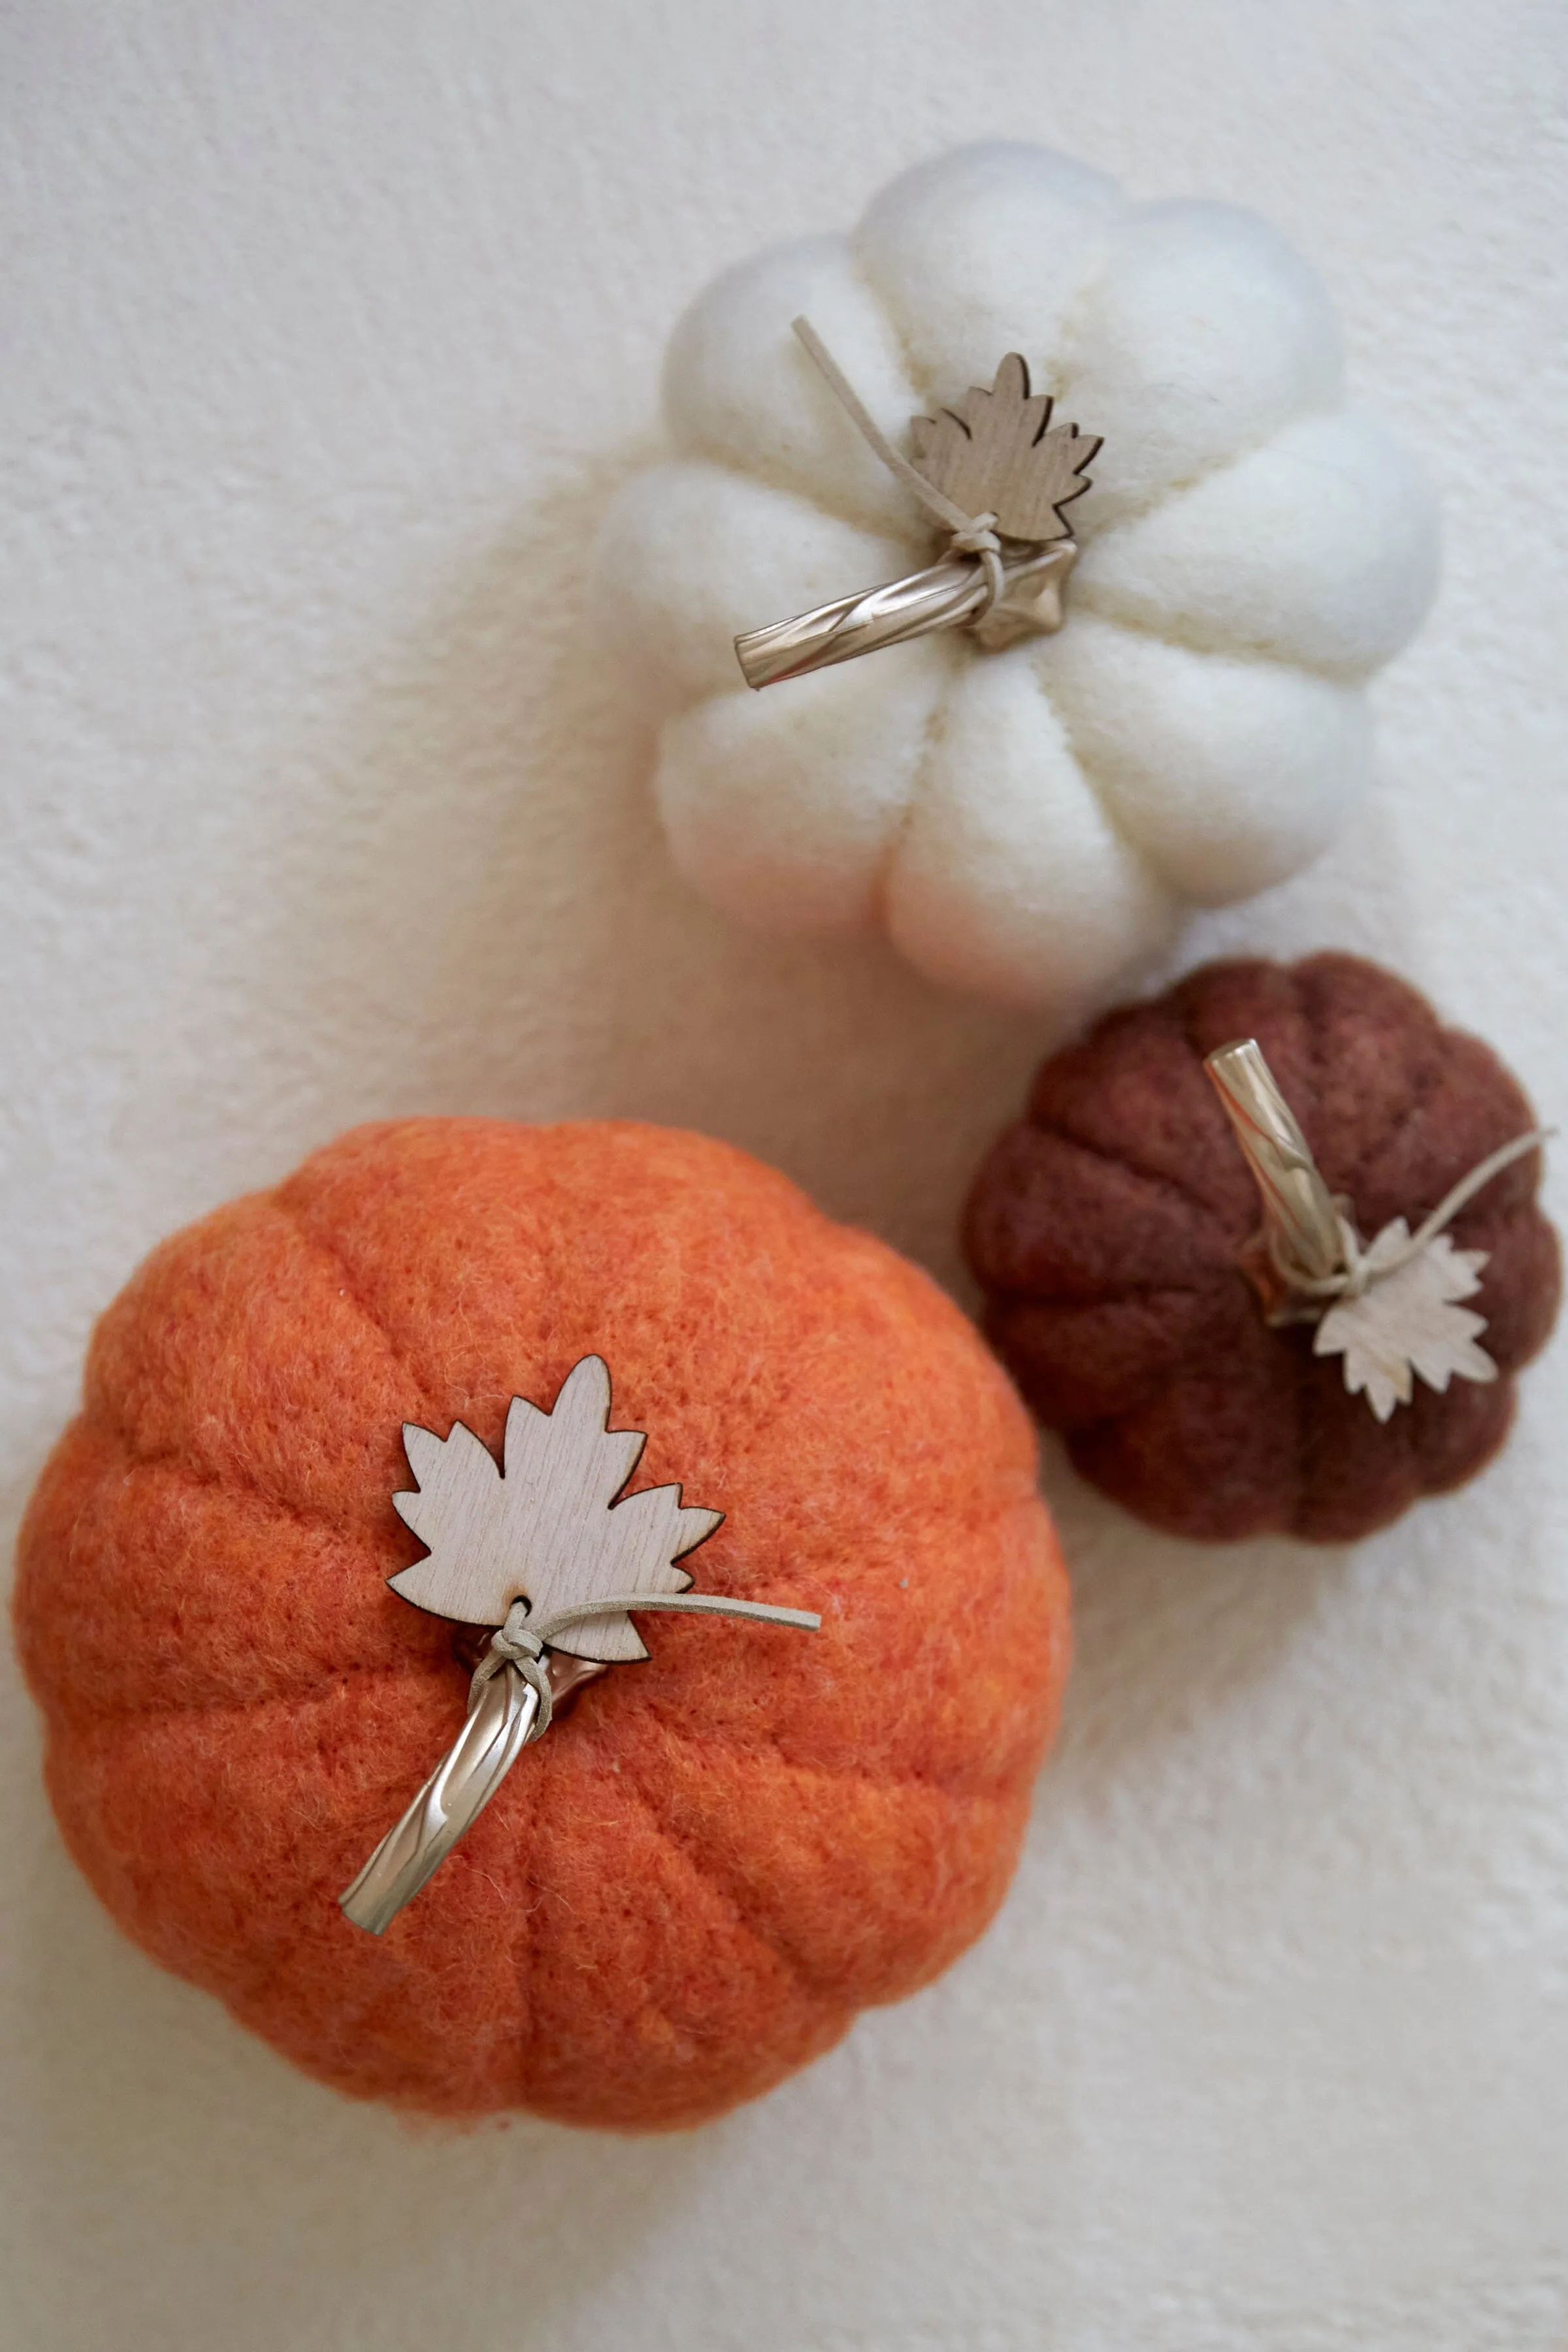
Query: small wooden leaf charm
point(1409, 1320)
point(993, 453)
point(546, 1526)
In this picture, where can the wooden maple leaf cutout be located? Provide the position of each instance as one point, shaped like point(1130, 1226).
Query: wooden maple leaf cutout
point(1409, 1321)
point(992, 453)
point(545, 1523)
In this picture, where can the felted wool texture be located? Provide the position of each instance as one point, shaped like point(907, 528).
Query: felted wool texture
point(1107, 1225)
point(691, 1883)
point(1024, 825)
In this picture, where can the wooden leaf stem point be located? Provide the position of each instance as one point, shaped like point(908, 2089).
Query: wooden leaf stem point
point(1392, 1307)
point(538, 1547)
point(545, 1522)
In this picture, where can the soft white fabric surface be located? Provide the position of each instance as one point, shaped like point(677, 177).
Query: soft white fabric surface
point(1027, 824)
point(332, 329)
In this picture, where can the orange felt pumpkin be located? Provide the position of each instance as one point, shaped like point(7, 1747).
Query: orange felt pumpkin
point(691, 1883)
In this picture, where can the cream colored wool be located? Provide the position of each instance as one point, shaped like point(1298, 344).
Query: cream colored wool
point(1024, 825)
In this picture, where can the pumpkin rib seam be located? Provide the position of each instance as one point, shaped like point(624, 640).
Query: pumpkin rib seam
point(855, 1775)
point(196, 1475)
point(326, 1247)
point(1060, 1132)
point(1188, 640)
point(1012, 1295)
point(832, 511)
point(699, 1870)
point(1104, 795)
point(172, 1711)
point(790, 1959)
point(932, 733)
point(1421, 1100)
point(1309, 1012)
point(922, 386)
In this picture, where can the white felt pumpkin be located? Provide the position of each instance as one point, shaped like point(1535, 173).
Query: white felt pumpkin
point(1024, 824)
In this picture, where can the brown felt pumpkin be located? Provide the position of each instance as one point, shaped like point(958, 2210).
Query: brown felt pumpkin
point(1108, 1228)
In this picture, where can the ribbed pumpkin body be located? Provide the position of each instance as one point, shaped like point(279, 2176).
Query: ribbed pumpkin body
point(714, 1859)
point(1107, 1227)
point(1024, 824)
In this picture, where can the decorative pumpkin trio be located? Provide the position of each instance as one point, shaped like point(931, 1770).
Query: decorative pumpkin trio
point(382, 1477)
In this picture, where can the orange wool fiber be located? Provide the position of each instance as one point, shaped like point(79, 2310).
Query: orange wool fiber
point(714, 1859)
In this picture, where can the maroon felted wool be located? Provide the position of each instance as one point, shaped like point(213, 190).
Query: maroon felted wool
point(719, 1854)
point(1107, 1228)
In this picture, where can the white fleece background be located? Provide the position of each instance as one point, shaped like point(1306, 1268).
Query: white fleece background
point(329, 329)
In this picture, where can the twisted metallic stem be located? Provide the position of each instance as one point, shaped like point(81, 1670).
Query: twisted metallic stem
point(508, 1705)
point(952, 594)
point(493, 1737)
point(943, 597)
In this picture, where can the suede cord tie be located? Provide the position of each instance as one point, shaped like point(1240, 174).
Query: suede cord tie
point(971, 534)
point(1312, 1295)
point(523, 1640)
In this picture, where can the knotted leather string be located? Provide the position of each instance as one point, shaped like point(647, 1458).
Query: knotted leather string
point(972, 534)
point(523, 1640)
point(1359, 1274)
